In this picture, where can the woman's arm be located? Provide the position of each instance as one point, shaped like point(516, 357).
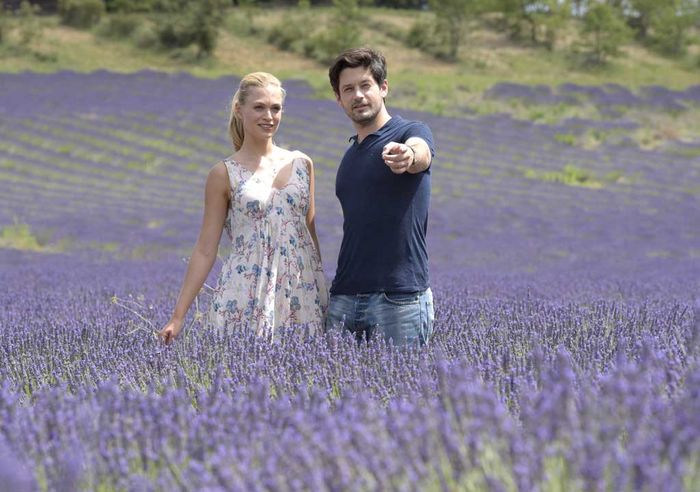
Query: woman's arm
point(204, 253)
point(311, 213)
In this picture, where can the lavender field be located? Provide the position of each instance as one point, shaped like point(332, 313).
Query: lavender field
point(567, 285)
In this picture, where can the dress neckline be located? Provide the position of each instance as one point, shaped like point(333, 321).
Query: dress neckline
point(251, 173)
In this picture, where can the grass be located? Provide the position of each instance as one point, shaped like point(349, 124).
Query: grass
point(486, 57)
point(571, 175)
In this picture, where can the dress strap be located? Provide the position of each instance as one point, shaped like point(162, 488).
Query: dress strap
point(234, 173)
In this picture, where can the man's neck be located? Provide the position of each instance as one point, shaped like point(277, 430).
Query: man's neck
point(379, 121)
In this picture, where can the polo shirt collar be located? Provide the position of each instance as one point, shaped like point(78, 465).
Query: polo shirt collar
point(386, 127)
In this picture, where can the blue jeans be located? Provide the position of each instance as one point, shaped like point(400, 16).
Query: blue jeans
point(406, 319)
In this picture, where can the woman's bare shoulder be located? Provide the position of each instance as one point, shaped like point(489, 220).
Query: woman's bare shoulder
point(298, 154)
point(219, 170)
point(218, 177)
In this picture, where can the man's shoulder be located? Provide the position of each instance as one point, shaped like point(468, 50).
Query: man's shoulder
point(406, 129)
point(404, 124)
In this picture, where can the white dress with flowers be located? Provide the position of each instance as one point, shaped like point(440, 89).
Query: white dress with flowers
point(273, 276)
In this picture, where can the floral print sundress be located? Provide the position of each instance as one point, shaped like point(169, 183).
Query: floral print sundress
point(273, 276)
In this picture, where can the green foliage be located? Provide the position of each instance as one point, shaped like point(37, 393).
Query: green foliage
point(342, 31)
point(290, 34)
point(3, 24)
point(671, 23)
point(326, 45)
point(19, 236)
point(119, 25)
point(129, 5)
point(293, 34)
point(570, 175)
point(80, 13)
point(29, 27)
point(604, 31)
point(241, 21)
point(565, 138)
point(206, 20)
point(420, 35)
point(451, 17)
point(145, 36)
point(432, 37)
point(198, 24)
point(348, 10)
point(553, 22)
point(640, 13)
point(539, 21)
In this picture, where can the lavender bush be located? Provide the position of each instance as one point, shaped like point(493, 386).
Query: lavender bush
point(566, 348)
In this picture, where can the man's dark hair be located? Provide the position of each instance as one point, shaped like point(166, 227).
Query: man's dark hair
point(358, 57)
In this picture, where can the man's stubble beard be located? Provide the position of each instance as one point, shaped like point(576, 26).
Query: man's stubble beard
point(365, 120)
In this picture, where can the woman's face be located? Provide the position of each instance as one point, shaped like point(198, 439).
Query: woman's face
point(261, 112)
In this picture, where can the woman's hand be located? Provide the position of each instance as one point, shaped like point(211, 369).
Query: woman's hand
point(171, 330)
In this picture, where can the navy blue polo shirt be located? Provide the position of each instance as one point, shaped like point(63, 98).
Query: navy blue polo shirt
point(385, 216)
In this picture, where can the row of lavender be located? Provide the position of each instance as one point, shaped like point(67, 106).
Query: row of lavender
point(608, 96)
point(516, 393)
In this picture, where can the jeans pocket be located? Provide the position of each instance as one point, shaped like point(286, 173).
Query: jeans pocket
point(401, 298)
point(338, 314)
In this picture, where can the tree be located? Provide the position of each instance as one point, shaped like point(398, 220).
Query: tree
point(578, 7)
point(2, 22)
point(197, 23)
point(641, 13)
point(342, 32)
point(451, 17)
point(539, 20)
point(604, 31)
point(206, 21)
point(670, 25)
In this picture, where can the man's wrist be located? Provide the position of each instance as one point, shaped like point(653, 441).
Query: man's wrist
point(413, 161)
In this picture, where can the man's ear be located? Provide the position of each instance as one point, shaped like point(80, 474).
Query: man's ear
point(384, 88)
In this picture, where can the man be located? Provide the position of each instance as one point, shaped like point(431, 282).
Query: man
point(381, 285)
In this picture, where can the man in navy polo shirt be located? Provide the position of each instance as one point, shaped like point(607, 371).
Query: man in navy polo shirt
point(381, 286)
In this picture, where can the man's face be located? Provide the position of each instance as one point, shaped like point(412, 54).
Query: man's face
point(360, 96)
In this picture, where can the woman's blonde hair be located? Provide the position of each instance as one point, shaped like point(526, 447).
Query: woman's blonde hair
point(255, 79)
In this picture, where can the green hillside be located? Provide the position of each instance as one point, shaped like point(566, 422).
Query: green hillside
point(418, 80)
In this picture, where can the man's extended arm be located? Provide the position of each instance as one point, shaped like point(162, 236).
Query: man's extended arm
point(413, 157)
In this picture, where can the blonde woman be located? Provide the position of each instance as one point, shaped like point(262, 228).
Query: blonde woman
point(263, 196)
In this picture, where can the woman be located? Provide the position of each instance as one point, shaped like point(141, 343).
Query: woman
point(263, 196)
